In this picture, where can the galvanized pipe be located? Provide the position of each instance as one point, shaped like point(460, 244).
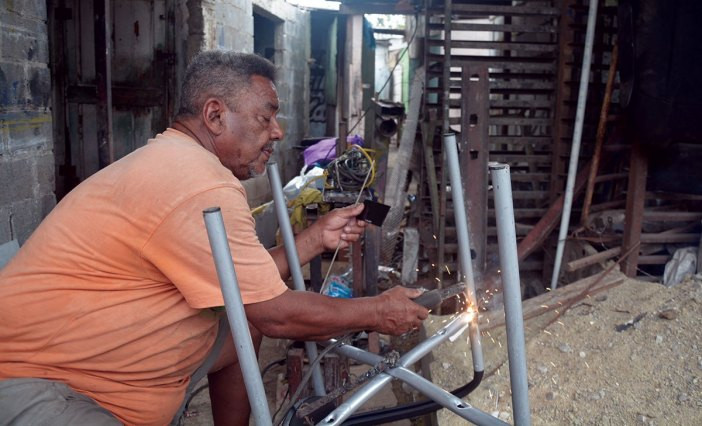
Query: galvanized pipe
point(237, 316)
point(445, 399)
point(348, 407)
point(577, 137)
point(451, 150)
point(509, 263)
point(286, 232)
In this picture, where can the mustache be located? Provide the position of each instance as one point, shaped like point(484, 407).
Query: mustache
point(269, 146)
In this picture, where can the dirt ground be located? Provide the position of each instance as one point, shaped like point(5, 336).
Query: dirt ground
point(626, 355)
point(629, 355)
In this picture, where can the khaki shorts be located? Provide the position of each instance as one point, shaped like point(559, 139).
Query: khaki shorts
point(45, 402)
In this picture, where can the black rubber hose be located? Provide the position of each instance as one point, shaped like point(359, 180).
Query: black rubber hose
point(415, 409)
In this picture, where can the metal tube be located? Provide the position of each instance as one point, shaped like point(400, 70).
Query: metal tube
point(348, 407)
point(507, 244)
point(286, 232)
point(454, 169)
point(577, 136)
point(445, 399)
point(237, 316)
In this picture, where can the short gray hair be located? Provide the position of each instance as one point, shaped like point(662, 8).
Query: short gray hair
point(220, 74)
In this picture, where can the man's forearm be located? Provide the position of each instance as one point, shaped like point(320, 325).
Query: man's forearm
point(309, 316)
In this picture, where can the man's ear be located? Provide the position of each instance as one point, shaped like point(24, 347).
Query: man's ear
point(213, 115)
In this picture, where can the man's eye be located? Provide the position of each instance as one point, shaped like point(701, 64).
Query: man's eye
point(265, 119)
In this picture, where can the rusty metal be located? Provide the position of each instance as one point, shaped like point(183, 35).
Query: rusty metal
point(474, 158)
point(599, 139)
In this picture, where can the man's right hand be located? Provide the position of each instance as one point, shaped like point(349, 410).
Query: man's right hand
point(397, 313)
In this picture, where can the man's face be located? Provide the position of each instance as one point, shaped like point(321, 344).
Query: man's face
point(251, 131)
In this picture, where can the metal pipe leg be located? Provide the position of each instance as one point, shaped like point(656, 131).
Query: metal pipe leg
point(445, 399)
point(237, 316)
point(507, 243)
point(348, 407)
point(459, 209)
point(281, 210)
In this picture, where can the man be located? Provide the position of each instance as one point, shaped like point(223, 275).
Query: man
point(106, 311)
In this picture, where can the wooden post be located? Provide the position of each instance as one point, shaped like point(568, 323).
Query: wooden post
point(295, 363)
point(103, 81)
point(635, 198)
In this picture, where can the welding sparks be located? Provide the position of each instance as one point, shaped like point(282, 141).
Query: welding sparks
point(447, 269)
point(547, 332)
point(586, 364)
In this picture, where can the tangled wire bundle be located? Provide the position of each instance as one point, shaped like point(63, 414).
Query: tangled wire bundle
point(349, 171)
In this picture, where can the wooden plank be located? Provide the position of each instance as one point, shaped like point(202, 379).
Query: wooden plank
point(669, 216)
point(517, 103)
point(516, 64)
point(592, 259)
point(670, 238)
point(460, 26)
point(394, 188)
point(410, 255)
point(543, 227)
point(543, 141)
point(653, 260)
point(498, 45)
point(493, 10)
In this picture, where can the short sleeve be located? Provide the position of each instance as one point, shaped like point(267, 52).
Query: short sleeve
point(180, 249)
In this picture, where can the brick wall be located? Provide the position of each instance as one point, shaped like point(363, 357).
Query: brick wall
point(26, 156)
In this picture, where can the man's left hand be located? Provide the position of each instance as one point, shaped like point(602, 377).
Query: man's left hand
point(340, 227)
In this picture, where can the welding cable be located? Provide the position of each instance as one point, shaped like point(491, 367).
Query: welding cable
point(411, 410)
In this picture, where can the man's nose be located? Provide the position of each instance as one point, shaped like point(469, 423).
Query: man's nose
point(276, 131)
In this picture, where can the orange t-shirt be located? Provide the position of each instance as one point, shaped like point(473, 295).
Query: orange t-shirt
point(109, 293)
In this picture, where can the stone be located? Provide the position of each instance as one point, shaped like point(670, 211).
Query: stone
point(683, 397)
point(659, 339)
point(669, 314)
point(550, 396)
point(543, 369)
point(565, 348)
point(581, 354)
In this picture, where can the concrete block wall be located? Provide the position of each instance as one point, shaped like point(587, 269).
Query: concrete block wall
point(228, 24)
point(26, 145)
